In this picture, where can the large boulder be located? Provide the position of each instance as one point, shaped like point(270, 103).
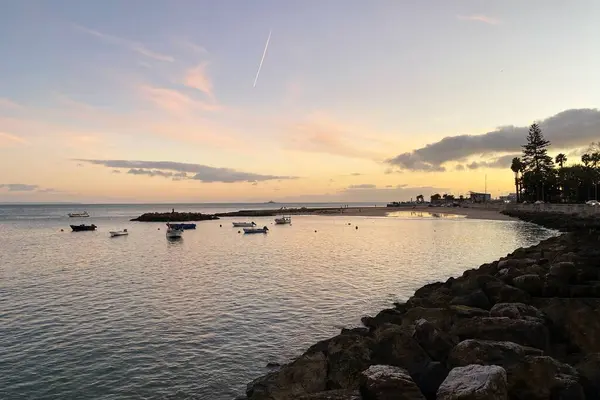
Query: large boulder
point(543, 378)
point(530, 283)
point(429, 377)
point(390, 315)
point(515, 311)
point(486, 352)
point(393, 346)
point(347, 356)
point(476, 299)
point(386, 382)
point(435, 342)
point(565, 271)
point(589, 370)
point(525, 332)
point(307, 374)
point(332, 395)
point(474, 382)
point(578, 320)
point(499, 292)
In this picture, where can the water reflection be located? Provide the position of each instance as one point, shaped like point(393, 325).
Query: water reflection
point(423, 214)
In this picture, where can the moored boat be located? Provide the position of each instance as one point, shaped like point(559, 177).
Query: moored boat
point(244, 224)
point(82, 227)
point(79, 215)
point(119, 233)
point(184, 226)
point(283, 220)
point(264, 229)
point(174, 232)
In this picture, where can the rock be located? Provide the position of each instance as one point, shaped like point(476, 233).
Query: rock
point(536, 269)
point(435, 342)
point(499, 292)
point(476, 299)
point(543, 378)
point(578, 320)
point(429, 377)
point(589, 370)
point(442, 318)
point(487, 352)
point(515, 311)
point(386, 382)
point(555, 287)
point(529, 283)
point(347, 356)
point(474, 382)
point(332, 395)
point(177, 216)
point(507, 275)
point(389, 315)
point(564, 271)
point(395, 347)
point(307, 374)
point(468, 312)
point(505, 264)
point(525, 332)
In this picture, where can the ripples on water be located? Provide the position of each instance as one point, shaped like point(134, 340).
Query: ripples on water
point(87, 316)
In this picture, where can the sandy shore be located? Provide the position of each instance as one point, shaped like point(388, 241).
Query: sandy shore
point(473, 213)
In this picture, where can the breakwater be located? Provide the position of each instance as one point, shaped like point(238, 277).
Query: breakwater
point(526, 326)
point(174, 217)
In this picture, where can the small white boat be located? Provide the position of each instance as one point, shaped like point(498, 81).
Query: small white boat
point(79, 215)
point(119, 233)
point(283, 221)
point(174, 232)
point(244, 224)
point(264, 229)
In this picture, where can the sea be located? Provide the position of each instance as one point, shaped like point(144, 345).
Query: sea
point(87, 316)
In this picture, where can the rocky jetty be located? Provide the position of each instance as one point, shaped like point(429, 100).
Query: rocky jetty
point(174, 217)
point(525, 327)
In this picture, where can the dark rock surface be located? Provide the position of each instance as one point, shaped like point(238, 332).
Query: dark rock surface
point(174, 217)
point(532, 317)
point(475, 382)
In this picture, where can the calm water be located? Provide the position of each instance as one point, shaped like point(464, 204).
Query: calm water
point(86, 316)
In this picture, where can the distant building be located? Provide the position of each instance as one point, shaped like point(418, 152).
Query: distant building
point(480, 197)
point(510, 198)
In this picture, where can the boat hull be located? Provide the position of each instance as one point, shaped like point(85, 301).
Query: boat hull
point(82, 228)
point(115, 234)
point(283, 221)
point(255, 230)
point(174, 233)
point(183, 226)
point(243, 224)
point(76, 215)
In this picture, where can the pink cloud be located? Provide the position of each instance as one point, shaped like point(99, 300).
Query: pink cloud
point(6, 139)
point(175, 101)
point(480, 18)
point(197, 78)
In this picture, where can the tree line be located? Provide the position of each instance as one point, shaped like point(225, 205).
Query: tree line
point(539, 177)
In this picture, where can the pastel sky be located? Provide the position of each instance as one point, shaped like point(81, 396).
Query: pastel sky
point(148, 100)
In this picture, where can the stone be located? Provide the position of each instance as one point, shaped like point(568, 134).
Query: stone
point(467, 312)
point(487, 352)
point(524, 332)
point(435, 342)
point(333, 395)
point(515, 311)
point(507, 275)
point(386, 382)
point(474, 382)
point(499, 292)
point(529, 283)
point(578, 320)
point(429, 377)
point(394, 346)
point(589, 370)
point(390, 315)
point(347, 356)
point(442, 318)
point(307, 374)
point(564, 271)
point(543, 378)
point(476, 299)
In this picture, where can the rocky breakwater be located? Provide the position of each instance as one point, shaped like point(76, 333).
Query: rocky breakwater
point(174, 217)
point(524, 327)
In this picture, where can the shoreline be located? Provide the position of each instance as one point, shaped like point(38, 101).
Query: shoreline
point(526, 326)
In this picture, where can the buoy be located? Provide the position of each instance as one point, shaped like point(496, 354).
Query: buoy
point(62, 230)
point(220, 226)
point(239, 231)
point(356, 226)
point(159, 229)
point(349, 223)
point(315, 231)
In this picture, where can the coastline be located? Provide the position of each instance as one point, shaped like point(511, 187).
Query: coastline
point(526, 326)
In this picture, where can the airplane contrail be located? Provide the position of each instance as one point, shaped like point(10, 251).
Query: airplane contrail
point(262, 59)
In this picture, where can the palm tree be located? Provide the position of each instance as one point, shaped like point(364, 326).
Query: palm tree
point(561, 159)
point(517, 167)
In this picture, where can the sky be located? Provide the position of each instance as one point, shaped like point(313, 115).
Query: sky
point(154, 101)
